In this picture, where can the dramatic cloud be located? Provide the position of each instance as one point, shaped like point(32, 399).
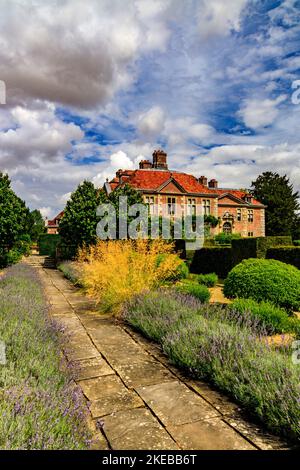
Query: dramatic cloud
point(74, 52)
point(96, 85)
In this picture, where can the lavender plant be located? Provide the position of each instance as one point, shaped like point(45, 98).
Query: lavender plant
point(40, 407)
point(226, 348)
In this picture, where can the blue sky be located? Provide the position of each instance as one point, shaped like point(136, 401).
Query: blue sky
point(93, 87)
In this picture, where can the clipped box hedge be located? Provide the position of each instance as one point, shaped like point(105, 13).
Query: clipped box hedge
point(47, 244)
point(66, 252)
point(286, 254)
point(214, 259)
point(245, 248)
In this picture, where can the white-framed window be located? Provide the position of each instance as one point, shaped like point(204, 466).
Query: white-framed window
point(171, 205)
point(250, 215)
point(250, 234)
point(239, 215)
point(191, 207)
point(150, 201)
point(206, 206)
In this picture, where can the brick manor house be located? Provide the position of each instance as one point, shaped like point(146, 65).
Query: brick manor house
point(172, 193)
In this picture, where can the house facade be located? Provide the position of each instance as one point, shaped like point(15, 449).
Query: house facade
point(172, 194)
point(52, 225)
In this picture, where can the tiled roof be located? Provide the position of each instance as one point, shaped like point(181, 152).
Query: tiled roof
point(53, 222)
point(237, 193)
point(154, 179)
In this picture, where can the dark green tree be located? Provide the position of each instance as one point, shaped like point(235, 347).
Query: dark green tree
point(37, 225)
point(79, 222)
point(282, 202)
point(14, 215)
point(133, 197)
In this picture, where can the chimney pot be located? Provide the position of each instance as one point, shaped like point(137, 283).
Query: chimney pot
point(203, 180)
point(213, 184)
point(145, 164)
point(160, 159)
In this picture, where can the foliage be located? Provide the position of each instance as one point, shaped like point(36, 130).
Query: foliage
point(226, 238)
point(296, 242)
point(181, 272)
point(211, 220)
point(199, 291)
point(286, 254)
point(65, 252)
point(211, 259)
point(115, 270)
point(153, 312)
point(14, 215)
point(277, 193)
point(262, 279)
point(78, 224)
point(47, 244)
point(13, 256)
point(71, 270)
point(37, 225)
point(40, 407)
point(228, 354)
point(256, 247)
point(272, 319)
point(209, 280)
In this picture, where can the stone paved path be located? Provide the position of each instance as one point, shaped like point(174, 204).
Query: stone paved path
point(143, 401)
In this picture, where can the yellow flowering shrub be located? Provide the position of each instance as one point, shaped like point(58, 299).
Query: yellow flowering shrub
point(113, 271)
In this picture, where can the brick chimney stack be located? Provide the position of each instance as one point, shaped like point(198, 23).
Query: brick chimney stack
point(145, 165)
point(160, 159)
point(213, 184)
point(203, 180)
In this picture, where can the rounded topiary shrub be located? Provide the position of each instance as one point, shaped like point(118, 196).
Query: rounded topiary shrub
point(262, 279)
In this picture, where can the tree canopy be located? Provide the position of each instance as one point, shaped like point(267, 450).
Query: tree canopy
point(14, 215)
point(37, 224)
point(78, 224)
point(282, 202)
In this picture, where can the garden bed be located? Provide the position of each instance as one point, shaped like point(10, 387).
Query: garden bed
point(211, 343)
point(40, 407)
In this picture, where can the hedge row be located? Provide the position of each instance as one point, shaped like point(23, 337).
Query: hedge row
point(256, 247)
point(286, 254)
point(210, 260)
point(221, 259)
point(47, 244)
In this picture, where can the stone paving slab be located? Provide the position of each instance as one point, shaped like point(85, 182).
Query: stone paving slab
point(174, 403)
point(92, 368)
point(147, 372)
point(259, 437)
point(84, 350)
point(108, 395)
point(137, 430)
point(208, 434)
